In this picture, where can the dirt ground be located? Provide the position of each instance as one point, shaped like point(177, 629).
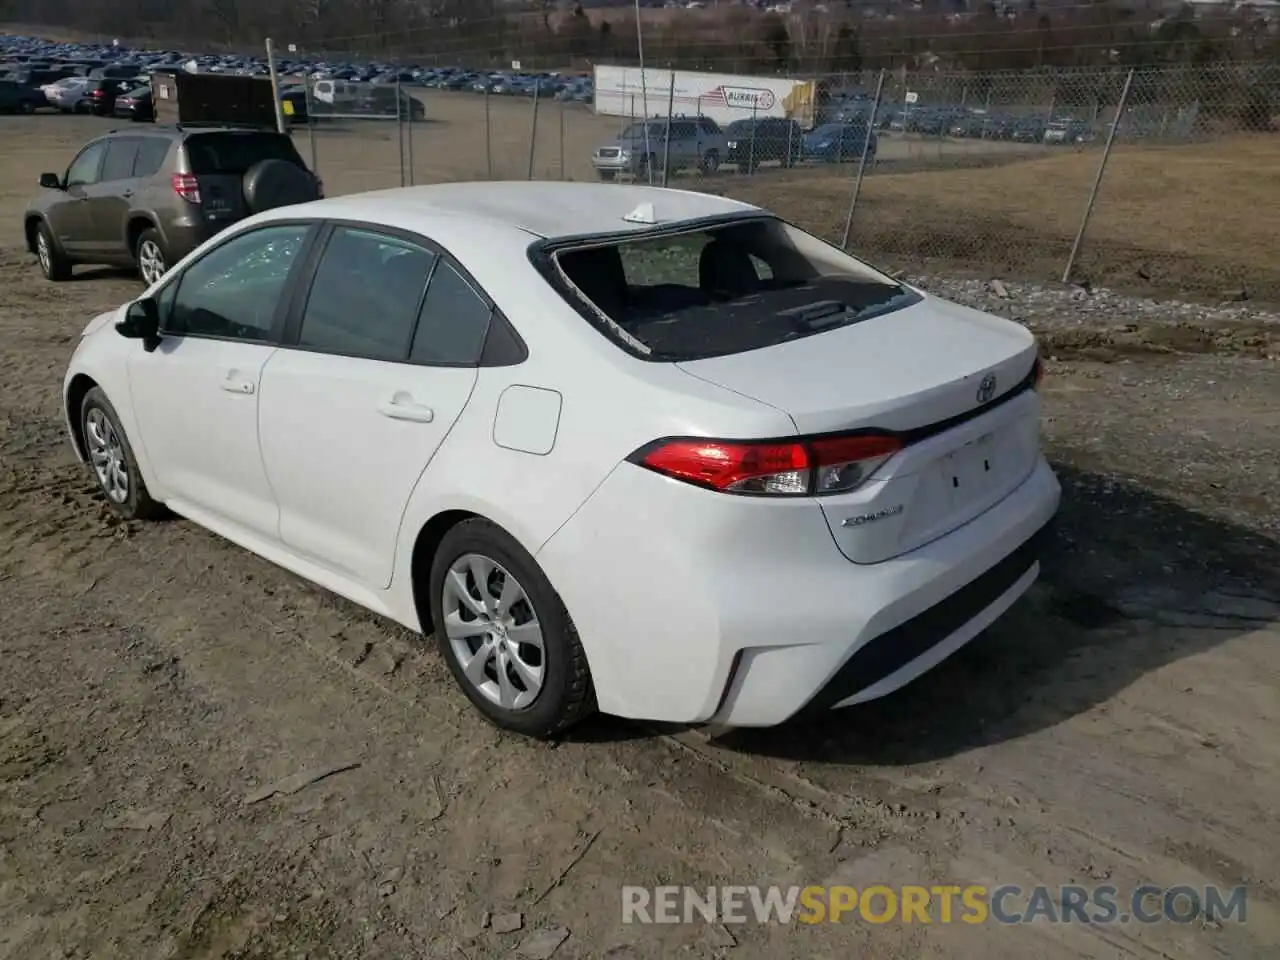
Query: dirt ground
point(1118, 726)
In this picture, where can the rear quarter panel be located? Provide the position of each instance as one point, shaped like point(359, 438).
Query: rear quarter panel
point(612, 404)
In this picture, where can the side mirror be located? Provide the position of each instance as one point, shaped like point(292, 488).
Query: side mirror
point(50, 181)
point(141, 322)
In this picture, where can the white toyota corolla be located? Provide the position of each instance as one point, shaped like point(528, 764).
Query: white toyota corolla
point(650, 451)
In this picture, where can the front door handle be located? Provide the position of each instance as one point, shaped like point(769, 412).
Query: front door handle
point(402, 406)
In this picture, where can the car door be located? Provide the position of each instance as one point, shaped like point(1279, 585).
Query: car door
point(69, 217)
point(196, 396)
point(372, 378)
point(109, 199)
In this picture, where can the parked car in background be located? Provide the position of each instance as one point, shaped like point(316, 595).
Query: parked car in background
point(100, 95)
point(18, 97)
point(148, 198)
point(380, 101)
point(696, 143)
point(293, 102)
point(1028, 130)
point(752, 142)
point(135, 105)
point(69, 94)
point(1068, 132)
point(488, 411)
point(840, 143)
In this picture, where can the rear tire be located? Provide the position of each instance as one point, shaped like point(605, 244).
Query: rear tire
point(491, 593)
point(710, 162)
point(151, 256)
point(112, 462)
point(53, 262)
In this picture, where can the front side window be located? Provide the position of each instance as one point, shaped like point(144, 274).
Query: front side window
point(723, 289)
point(365, 298)
point(234, 291)
point(84, 168)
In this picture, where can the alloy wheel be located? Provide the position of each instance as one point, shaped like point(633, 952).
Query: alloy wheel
point(44, 253)
point(493, 631)
point(150, 261)
point(106, 453)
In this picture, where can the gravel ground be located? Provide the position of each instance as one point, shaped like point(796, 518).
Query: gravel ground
point(166, 701)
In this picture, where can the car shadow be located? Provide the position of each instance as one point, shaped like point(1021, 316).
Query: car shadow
point(85, 274)
point(1131, 581)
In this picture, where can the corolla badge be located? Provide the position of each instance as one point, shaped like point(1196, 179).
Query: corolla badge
point(862, 519)
point(987, 388)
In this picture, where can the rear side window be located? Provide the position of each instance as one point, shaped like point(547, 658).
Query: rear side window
point(152, 152)
point(118, 164)
point(453, 323)
point(235, 152)
point(366, 294)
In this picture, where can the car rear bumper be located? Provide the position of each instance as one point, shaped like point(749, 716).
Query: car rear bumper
point(181, 236)
point(699, 607)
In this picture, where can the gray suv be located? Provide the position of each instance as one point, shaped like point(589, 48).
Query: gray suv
point(696, 143)
point(147, 198)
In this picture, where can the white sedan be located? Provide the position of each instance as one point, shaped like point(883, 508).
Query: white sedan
point(647, 451)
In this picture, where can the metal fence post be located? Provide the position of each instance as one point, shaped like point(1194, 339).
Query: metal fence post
point(1097, 181)
point(533, 129)
point(409, 137)
point(862, 163)
point(275, 85)
point(311, 123)
point(488, 135)
point(666, 148)
point(400, 130)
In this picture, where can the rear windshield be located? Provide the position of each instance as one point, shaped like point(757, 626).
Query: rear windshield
point(723, 289)
point(236, 151)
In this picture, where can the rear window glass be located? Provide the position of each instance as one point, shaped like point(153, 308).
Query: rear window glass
point(724, 289)
point(236, 152)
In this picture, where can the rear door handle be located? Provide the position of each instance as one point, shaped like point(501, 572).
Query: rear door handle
point(402, 406)
point(234, 382)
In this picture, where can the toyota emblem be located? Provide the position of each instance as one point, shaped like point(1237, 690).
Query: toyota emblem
point(987, 388)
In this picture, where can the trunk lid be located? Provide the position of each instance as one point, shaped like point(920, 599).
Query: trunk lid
point(952, 379)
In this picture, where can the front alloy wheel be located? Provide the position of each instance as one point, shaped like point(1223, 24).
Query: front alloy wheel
point(106, 455)
point(111, 458)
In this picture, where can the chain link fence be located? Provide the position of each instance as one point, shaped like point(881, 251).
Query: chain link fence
point(1159, 176)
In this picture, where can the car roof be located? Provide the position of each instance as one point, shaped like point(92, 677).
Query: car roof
point(546, 210)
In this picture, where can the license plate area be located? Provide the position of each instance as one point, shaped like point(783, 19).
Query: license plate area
point(970, 471)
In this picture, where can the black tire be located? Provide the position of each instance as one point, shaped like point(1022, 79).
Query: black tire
point(608, 175)
point(137, 505)
point(54, 265)
point(710, 162)
point(151, 239)
point(566, 695)
point(27, 107)
point(278, 183)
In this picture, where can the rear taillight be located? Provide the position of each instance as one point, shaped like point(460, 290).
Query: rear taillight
point(187, 187)
point(796, 468)
point(96, 94)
